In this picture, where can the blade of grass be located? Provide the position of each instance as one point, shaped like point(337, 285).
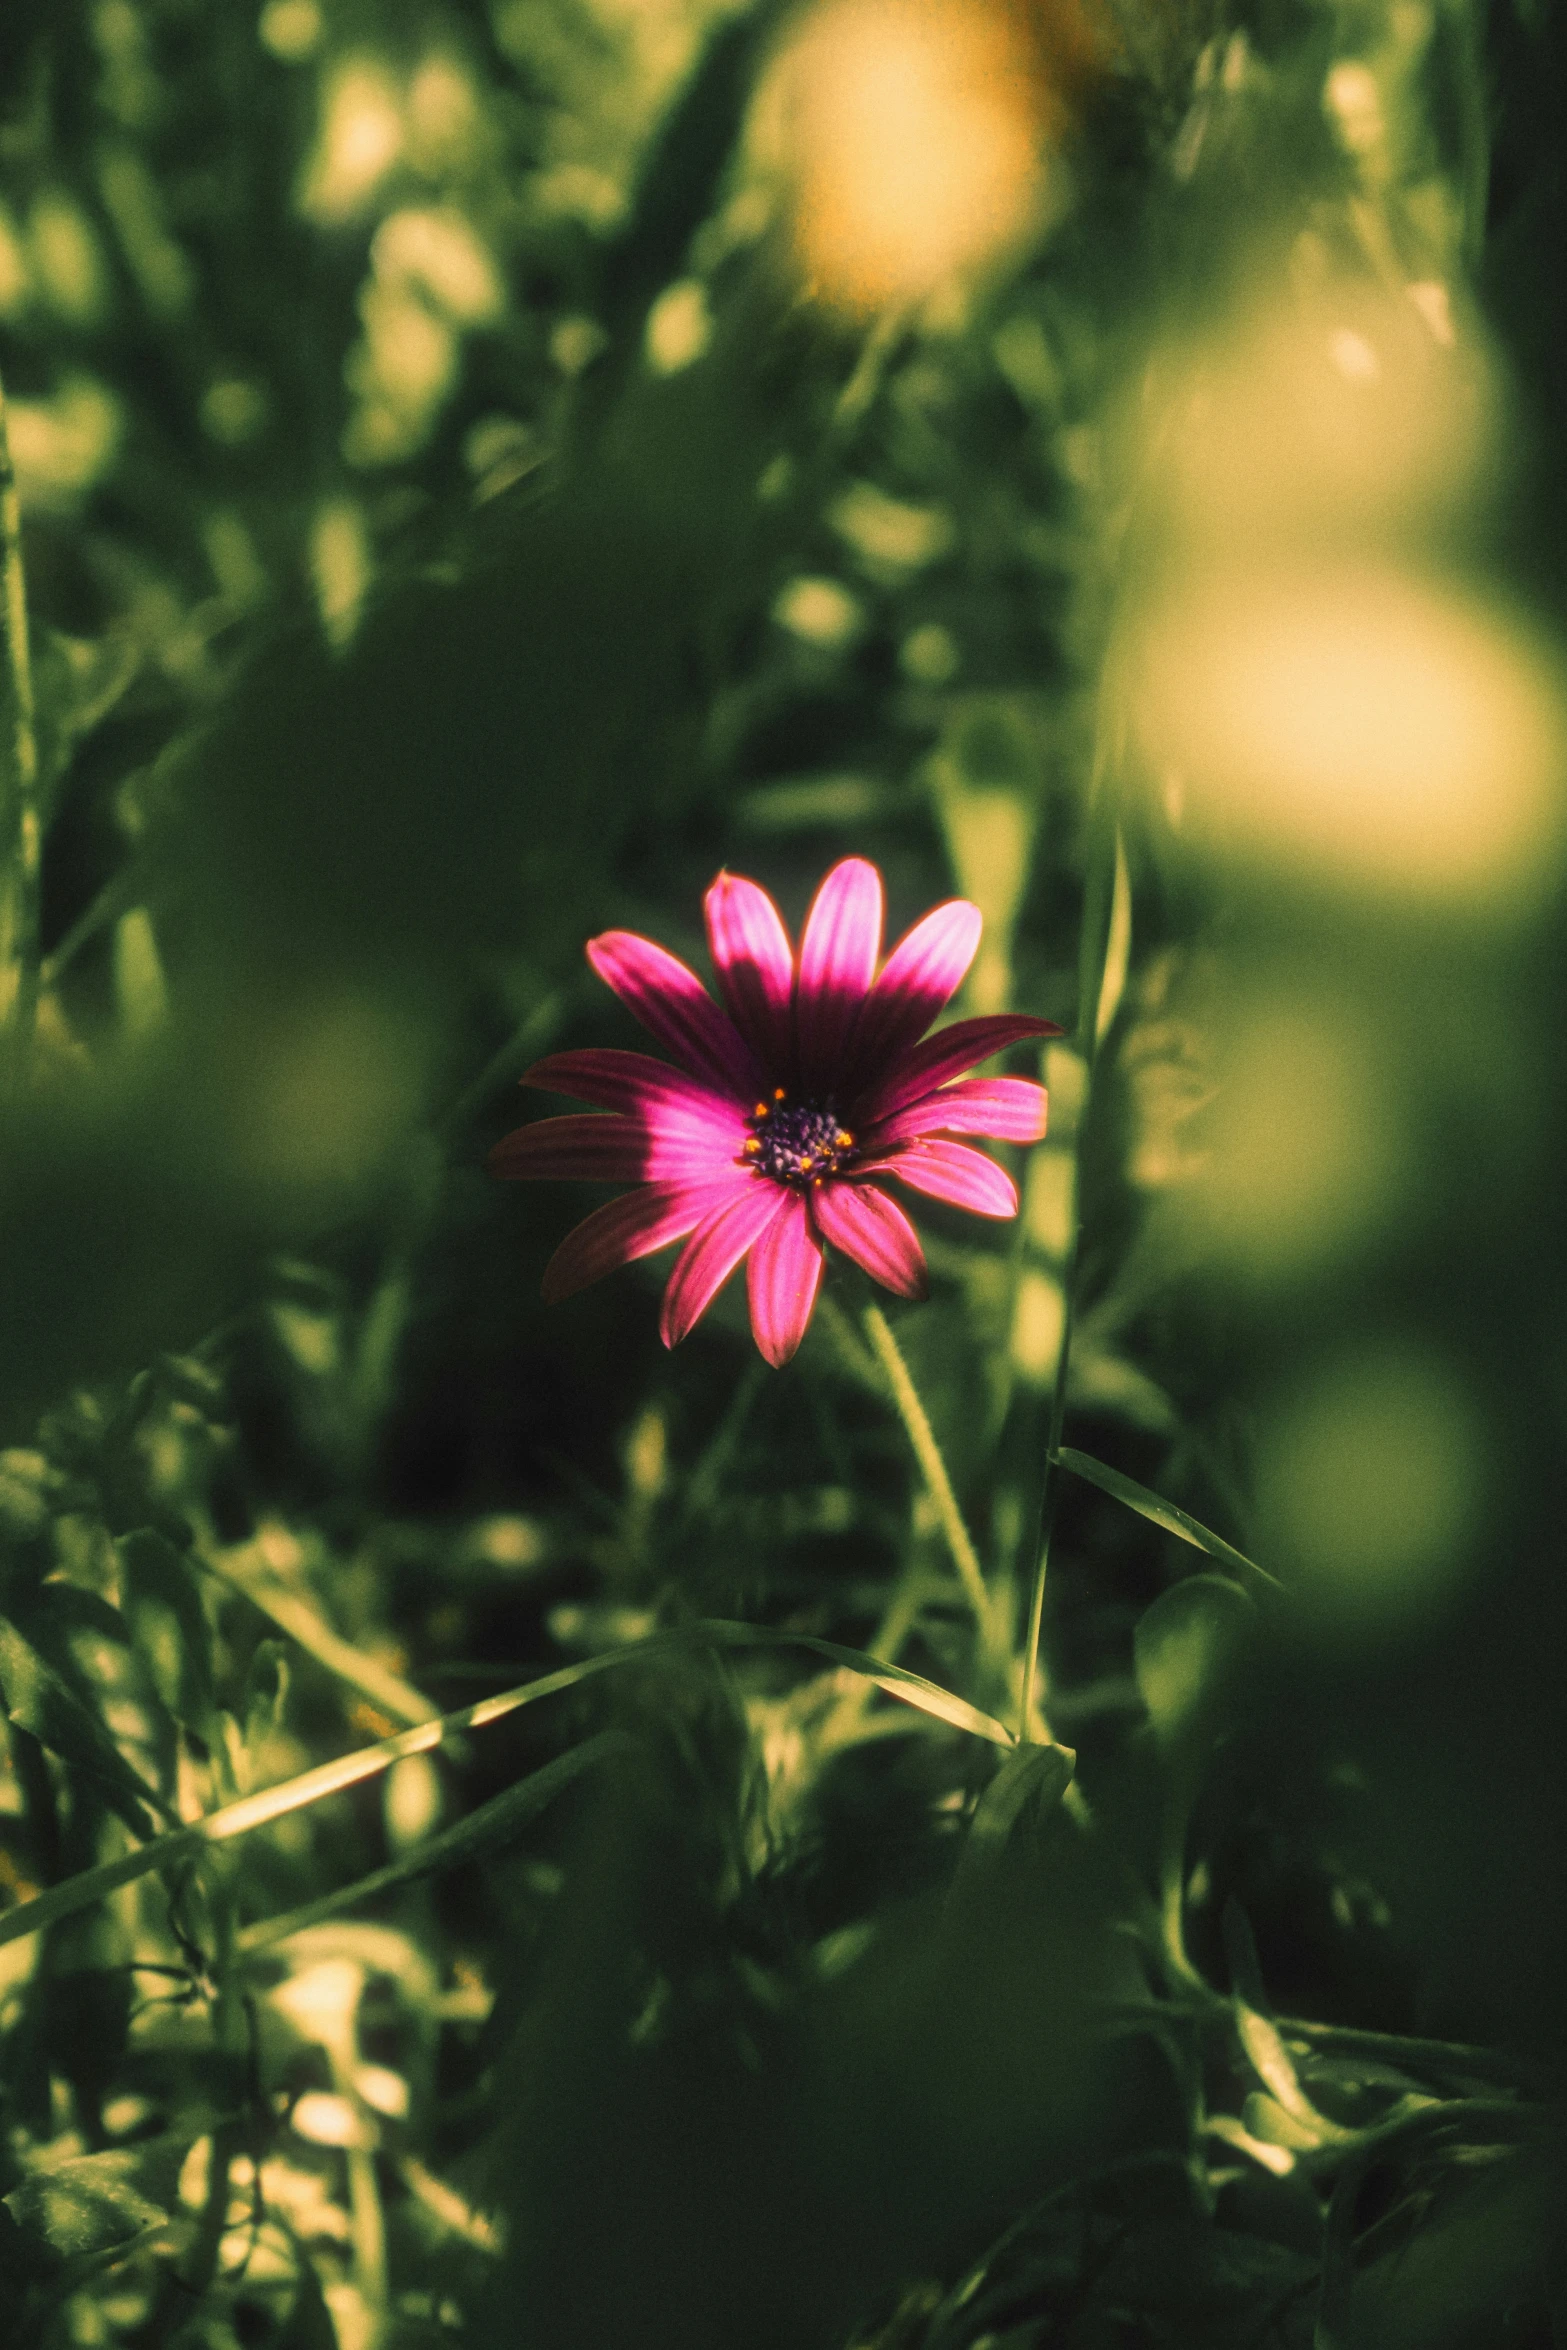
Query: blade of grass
point(21, 843)
point(932, 1467)
point(1105, 865)
point(1164, 1513)
point(927, 1697)
point(491, 1824)
point(368, 1762)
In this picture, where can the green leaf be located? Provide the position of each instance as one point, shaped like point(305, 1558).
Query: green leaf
point(35, 1695)
point(89, 2204)
point(1029, 1785)
point(77, 1632)
point(1182, 1649)
point(1032, 1779)
point(1260, 2037)
point(1280, 2160)
point(1270, 2059)
point(162, 1605)
point(1266, 2118)
point(31, 1489)
point(266, 1693)
point(245, 1740)
point(1164, 1513)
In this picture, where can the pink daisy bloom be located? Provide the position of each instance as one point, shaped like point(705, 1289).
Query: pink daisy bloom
point(789, 1111)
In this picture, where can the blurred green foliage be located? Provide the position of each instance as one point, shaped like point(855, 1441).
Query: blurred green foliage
point(457, 516)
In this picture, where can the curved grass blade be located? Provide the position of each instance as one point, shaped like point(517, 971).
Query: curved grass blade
point(927, 1697)
point(1164, 1513)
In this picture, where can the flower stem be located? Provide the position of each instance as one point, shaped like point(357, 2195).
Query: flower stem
point(933, 1468)
point(21, 842)
point(1098, 908)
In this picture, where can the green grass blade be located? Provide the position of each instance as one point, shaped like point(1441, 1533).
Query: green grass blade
point(494, 1823)
point(928, 1697)
point(1164, 1513)
point(368, 1762)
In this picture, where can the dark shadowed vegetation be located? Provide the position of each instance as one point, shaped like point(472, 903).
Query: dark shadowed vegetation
point(1040, 1821)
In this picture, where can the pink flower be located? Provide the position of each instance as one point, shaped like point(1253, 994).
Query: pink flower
point(785, 1119)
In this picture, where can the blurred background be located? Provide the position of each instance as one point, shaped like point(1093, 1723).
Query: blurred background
point(478, 469)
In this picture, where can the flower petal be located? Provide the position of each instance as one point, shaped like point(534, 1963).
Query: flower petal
point(947, 1054)
point(872, 1229)
point(584, 1150)
point(598, 1149)
point(755, 965)
point(713, 1251)
point(838, 952)
point(783, 1273)
point(632, 1226)
point(953, 1172)
point(1008, 1109)
point(661, 1097)
point(673, 1005)
point(921, 975)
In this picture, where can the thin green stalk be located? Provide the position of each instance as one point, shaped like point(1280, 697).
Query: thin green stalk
point(932, 1467)
point(23, 842)
point(1050, 1488)
point(230, 2030)
point(366, 2220)
point(1095, 946)
point(869, 373)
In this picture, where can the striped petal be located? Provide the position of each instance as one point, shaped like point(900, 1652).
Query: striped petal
point(872, 1230)
point(838, 953)
point(600, 1149)
point(673, 1005)
point(580, 1150)
point(922, 974)
point(1007, 1109)
point(755, 965)
point(713, 1251)
point(783, 1273)
point(632, 1226)
point(951, 1171)
point(947, 1054)
point(643, 1088)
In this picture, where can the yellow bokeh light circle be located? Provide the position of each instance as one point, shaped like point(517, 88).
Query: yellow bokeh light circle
point(1337, 412)
point(908, 136)
point(1359, 725)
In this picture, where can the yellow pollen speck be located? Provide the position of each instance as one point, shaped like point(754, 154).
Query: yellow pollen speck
point(752, 1148)
point(778, 1093)
point(844, 1139)
point(760, 1110)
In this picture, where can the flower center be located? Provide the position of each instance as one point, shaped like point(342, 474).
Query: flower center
point(796, 1142)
